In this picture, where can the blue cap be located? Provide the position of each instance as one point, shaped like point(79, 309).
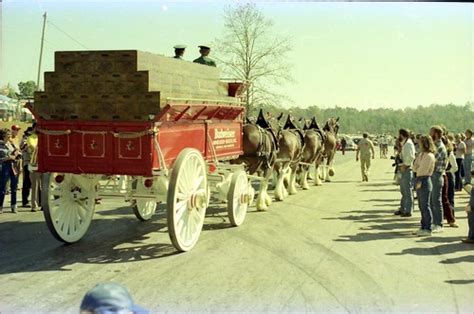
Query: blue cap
point(108, 298)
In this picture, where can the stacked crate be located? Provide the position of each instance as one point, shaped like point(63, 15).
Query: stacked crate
point(122, 85)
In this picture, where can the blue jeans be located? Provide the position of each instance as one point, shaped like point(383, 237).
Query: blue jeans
point(424, 199)
point(436, 201)
point(451, 188)
point(459, 173)
point(467, 169)
point(7, 173)
point(470, 217)
point(406, 181)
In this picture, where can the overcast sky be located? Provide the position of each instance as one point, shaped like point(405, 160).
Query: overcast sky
point(348, 54)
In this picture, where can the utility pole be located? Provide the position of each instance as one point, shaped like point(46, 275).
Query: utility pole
point(41, 52)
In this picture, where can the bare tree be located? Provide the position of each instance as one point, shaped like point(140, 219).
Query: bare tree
point(249, 51)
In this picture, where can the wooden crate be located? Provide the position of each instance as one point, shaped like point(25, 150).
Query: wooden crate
point(122, 85)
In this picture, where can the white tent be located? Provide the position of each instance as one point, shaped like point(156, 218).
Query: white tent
point(8, 107)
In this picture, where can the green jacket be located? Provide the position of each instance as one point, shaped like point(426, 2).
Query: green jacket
point(206, 61)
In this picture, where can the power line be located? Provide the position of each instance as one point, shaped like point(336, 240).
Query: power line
point(53, 45)
point(70, 37)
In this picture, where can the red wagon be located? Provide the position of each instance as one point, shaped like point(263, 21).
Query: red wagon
point(178, 157)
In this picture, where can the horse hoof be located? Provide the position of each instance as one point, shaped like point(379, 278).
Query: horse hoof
point(268, 201)
point(279, 198)
point(261, 206)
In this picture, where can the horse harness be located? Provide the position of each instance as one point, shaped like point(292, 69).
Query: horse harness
point(267, 158)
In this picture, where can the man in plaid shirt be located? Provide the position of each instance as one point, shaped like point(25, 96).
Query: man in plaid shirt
point(441, 156)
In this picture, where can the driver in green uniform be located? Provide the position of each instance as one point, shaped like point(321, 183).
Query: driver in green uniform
point(204, 59)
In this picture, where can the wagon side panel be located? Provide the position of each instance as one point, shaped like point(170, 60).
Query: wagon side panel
point(57, 147)
point(95, 149)
point(173, 138)
point(133, 149)
point(225, 139)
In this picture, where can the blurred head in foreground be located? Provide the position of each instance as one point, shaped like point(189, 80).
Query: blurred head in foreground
point(108, 298)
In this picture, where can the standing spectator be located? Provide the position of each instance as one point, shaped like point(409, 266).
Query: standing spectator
point(468, 157)
point(26, 186)
point(8, 158)
point(416, 142)
point(381, 146)
point(460, 151)
point(424, 166)
point(343, 145)
point(35, 176)
point(441, 157)
point(448, 184)
point(15, 129)
point(396, 145)
point(364, 148)
point(470, 220)
point(14, 140)
point(397, 150)
point(407, 157)
point(385, 146)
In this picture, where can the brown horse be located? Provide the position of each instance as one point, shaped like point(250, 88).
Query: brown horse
point(312, 151)
point(291, 143)
point(260, 147)
point(331, 128)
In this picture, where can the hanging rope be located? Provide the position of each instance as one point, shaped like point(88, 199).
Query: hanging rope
point(91, 132)
point(54, 132)
point(128, 135)
point(133, 134)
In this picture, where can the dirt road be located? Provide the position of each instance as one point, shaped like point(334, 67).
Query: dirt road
point(332, 248)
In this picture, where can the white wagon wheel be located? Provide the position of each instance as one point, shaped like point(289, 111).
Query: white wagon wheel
point(187, 199)
point(238, 198)
point(142, 208)
point(68, 203)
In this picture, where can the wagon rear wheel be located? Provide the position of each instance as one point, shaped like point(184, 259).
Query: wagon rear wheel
point(68, 203)
point(187, 199)
point(238, 198)
point(143, 209)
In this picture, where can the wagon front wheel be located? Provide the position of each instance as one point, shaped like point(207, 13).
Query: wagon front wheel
point(68, 203)
point(238, 198)
point(187, 199)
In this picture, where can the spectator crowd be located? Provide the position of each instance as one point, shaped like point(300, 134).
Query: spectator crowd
point(432, 168)
point(18, 157)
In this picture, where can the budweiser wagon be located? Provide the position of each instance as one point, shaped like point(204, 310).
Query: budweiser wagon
point(144, 127)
